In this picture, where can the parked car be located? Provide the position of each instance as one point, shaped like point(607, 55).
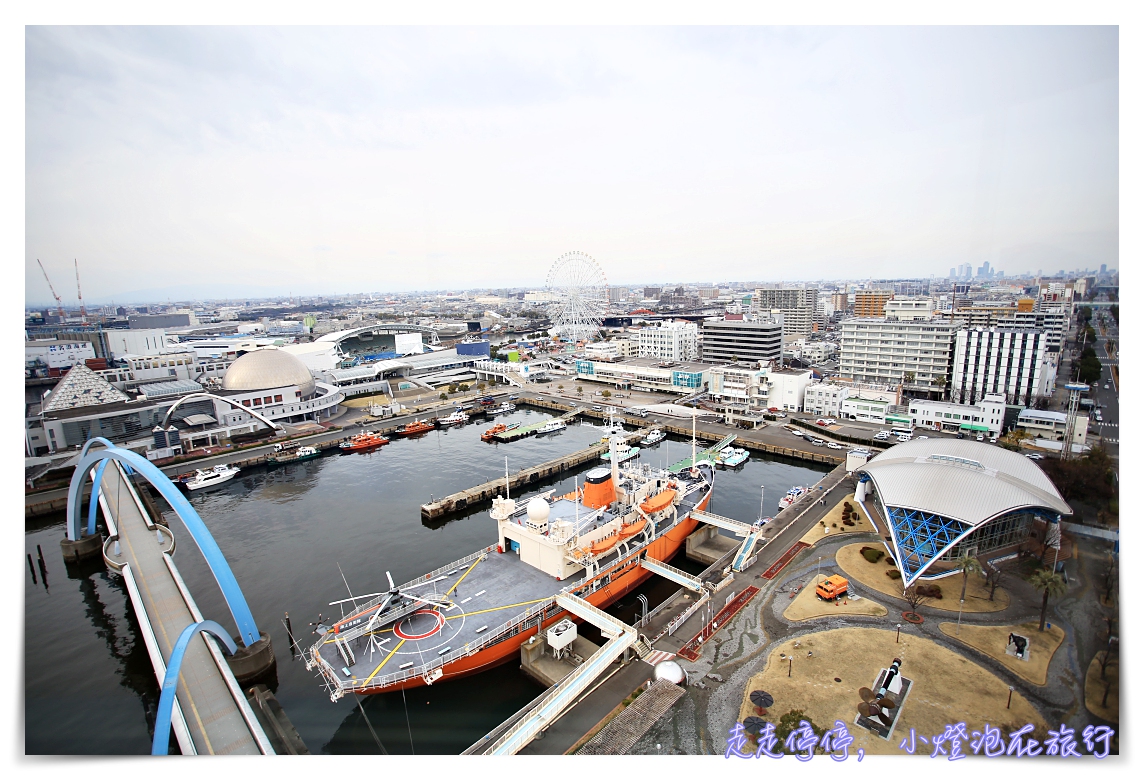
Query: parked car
point(833, 445)
point(597, 408)
point(882, 435)
point(981, 437)
point(1034, 456)
point(992, 439)
point(922, 437)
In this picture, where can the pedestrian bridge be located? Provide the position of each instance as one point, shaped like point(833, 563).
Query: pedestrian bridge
point(200, 700)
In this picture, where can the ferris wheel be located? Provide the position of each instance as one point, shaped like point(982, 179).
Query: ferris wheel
point(579, 293)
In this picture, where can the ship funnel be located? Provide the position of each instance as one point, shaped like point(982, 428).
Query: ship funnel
point(599, 488)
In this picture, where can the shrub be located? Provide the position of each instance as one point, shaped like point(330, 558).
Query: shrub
point(894, 574)
point(929, 591)
point(847, 522)
point(872, 554)
point(834, 525)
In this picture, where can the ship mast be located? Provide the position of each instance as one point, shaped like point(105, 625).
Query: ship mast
point(693, 440)
point(506, 477)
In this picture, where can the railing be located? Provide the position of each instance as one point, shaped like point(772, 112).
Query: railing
point(682, 617)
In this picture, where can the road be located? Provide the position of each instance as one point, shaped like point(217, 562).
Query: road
point(1108, 401)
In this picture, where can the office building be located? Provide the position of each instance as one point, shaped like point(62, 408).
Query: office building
point(1013, 363)
point(673, 340)
point(871, 303)
point(916, 354)
point(986, 416)
point(729, 340)
point(797, 305)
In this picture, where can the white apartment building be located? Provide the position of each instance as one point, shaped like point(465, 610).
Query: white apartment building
point(1014, 363)
point(788, 388)
point(1053, 321)
point(985, 416)
point(915, 353)
point(868, 410)
point(909, 308)
point(675, 340)
point(797, 304)
point(814, 352)
point(825, 398)
point(739, 387)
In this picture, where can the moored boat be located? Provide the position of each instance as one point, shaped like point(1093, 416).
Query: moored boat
point(491, 433)
point(456, 418)
point(504, 408)
point(414, 428)
point(367, 440)
point(552, 426)
point(204, 478)
point(292, 454)
point(730, 457)
point(792, 495)
point(654, 436)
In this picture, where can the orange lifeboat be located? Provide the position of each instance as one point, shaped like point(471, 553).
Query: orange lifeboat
point(491, 432)
point(661, 500)
point(603, 545)
point(631, 529)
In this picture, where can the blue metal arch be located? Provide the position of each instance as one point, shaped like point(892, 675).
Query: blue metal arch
point(231, 591)
point(162, 735)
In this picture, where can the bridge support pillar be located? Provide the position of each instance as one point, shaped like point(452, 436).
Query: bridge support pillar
point(84, 547)
point(251, 663)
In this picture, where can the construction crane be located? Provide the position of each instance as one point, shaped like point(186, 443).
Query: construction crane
point(59, 303)
point(79, 292)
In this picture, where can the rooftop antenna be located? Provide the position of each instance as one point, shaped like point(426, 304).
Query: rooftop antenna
point(79, 292)
point(59, 303)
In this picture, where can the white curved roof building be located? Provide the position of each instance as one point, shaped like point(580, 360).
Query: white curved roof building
point(941, 498)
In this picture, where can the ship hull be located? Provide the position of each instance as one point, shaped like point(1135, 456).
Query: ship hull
point(662, 548)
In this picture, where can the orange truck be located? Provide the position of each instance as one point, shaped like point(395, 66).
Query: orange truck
point(832, 587)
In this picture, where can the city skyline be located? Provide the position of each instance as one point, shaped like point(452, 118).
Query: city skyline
point(256, 162)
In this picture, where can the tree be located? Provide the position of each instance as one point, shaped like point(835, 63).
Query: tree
point(789, 722)
point(579, 389)
point(1111, 645)
point(607, 393)
point(560, 388)
point(444, 397)
point(1050, 584)
point(908, 377)
point(463, 388)
point(481, 386)
point(967, 565)
point(994, 577)
point(915, 599)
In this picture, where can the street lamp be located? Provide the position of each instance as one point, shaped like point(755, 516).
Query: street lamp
point(897, 635)
point(1010, 697)
point(960, 606)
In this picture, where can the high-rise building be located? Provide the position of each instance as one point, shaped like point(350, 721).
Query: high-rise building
point(871, 303)
point(840, 301)
point(913, 353)
point(1014, 363)
point(617, 294)
point(674, 340)
point(723, 341)
point(652, 292)
point(797, 305)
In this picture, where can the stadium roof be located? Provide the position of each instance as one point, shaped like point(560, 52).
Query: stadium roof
point(961, 479)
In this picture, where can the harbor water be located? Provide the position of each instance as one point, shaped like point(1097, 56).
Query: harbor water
point(290, 534)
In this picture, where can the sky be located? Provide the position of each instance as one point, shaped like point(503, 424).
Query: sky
point(193, 162)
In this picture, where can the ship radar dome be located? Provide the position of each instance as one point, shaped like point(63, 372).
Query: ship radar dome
point(538, 510)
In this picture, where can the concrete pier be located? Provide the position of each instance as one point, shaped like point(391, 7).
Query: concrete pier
point(468, 498)
point(707, 545)
point(537, 662)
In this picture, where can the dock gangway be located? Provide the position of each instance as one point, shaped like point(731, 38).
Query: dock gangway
point(669, 572)
point(707, 454)
point(751, 533)
point(202, 702)
point(620, 637)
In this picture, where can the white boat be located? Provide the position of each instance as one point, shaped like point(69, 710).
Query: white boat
point(216, 476)
point(553, 425)
point(792, 495)
point(456, 418)
point(504, 408)
point(731, 457)
point(655, 436)
point(624, 452)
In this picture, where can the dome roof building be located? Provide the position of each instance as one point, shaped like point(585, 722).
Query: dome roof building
point(266, 369)
point(944, 498)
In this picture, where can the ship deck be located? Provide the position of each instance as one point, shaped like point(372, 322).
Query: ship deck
point(486, 594)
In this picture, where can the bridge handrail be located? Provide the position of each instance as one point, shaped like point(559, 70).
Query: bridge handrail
point(206, 543)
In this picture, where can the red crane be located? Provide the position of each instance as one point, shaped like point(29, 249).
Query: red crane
point(59, 303)
point(79, 292)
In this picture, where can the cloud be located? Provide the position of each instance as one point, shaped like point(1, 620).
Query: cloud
point(230, 157)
